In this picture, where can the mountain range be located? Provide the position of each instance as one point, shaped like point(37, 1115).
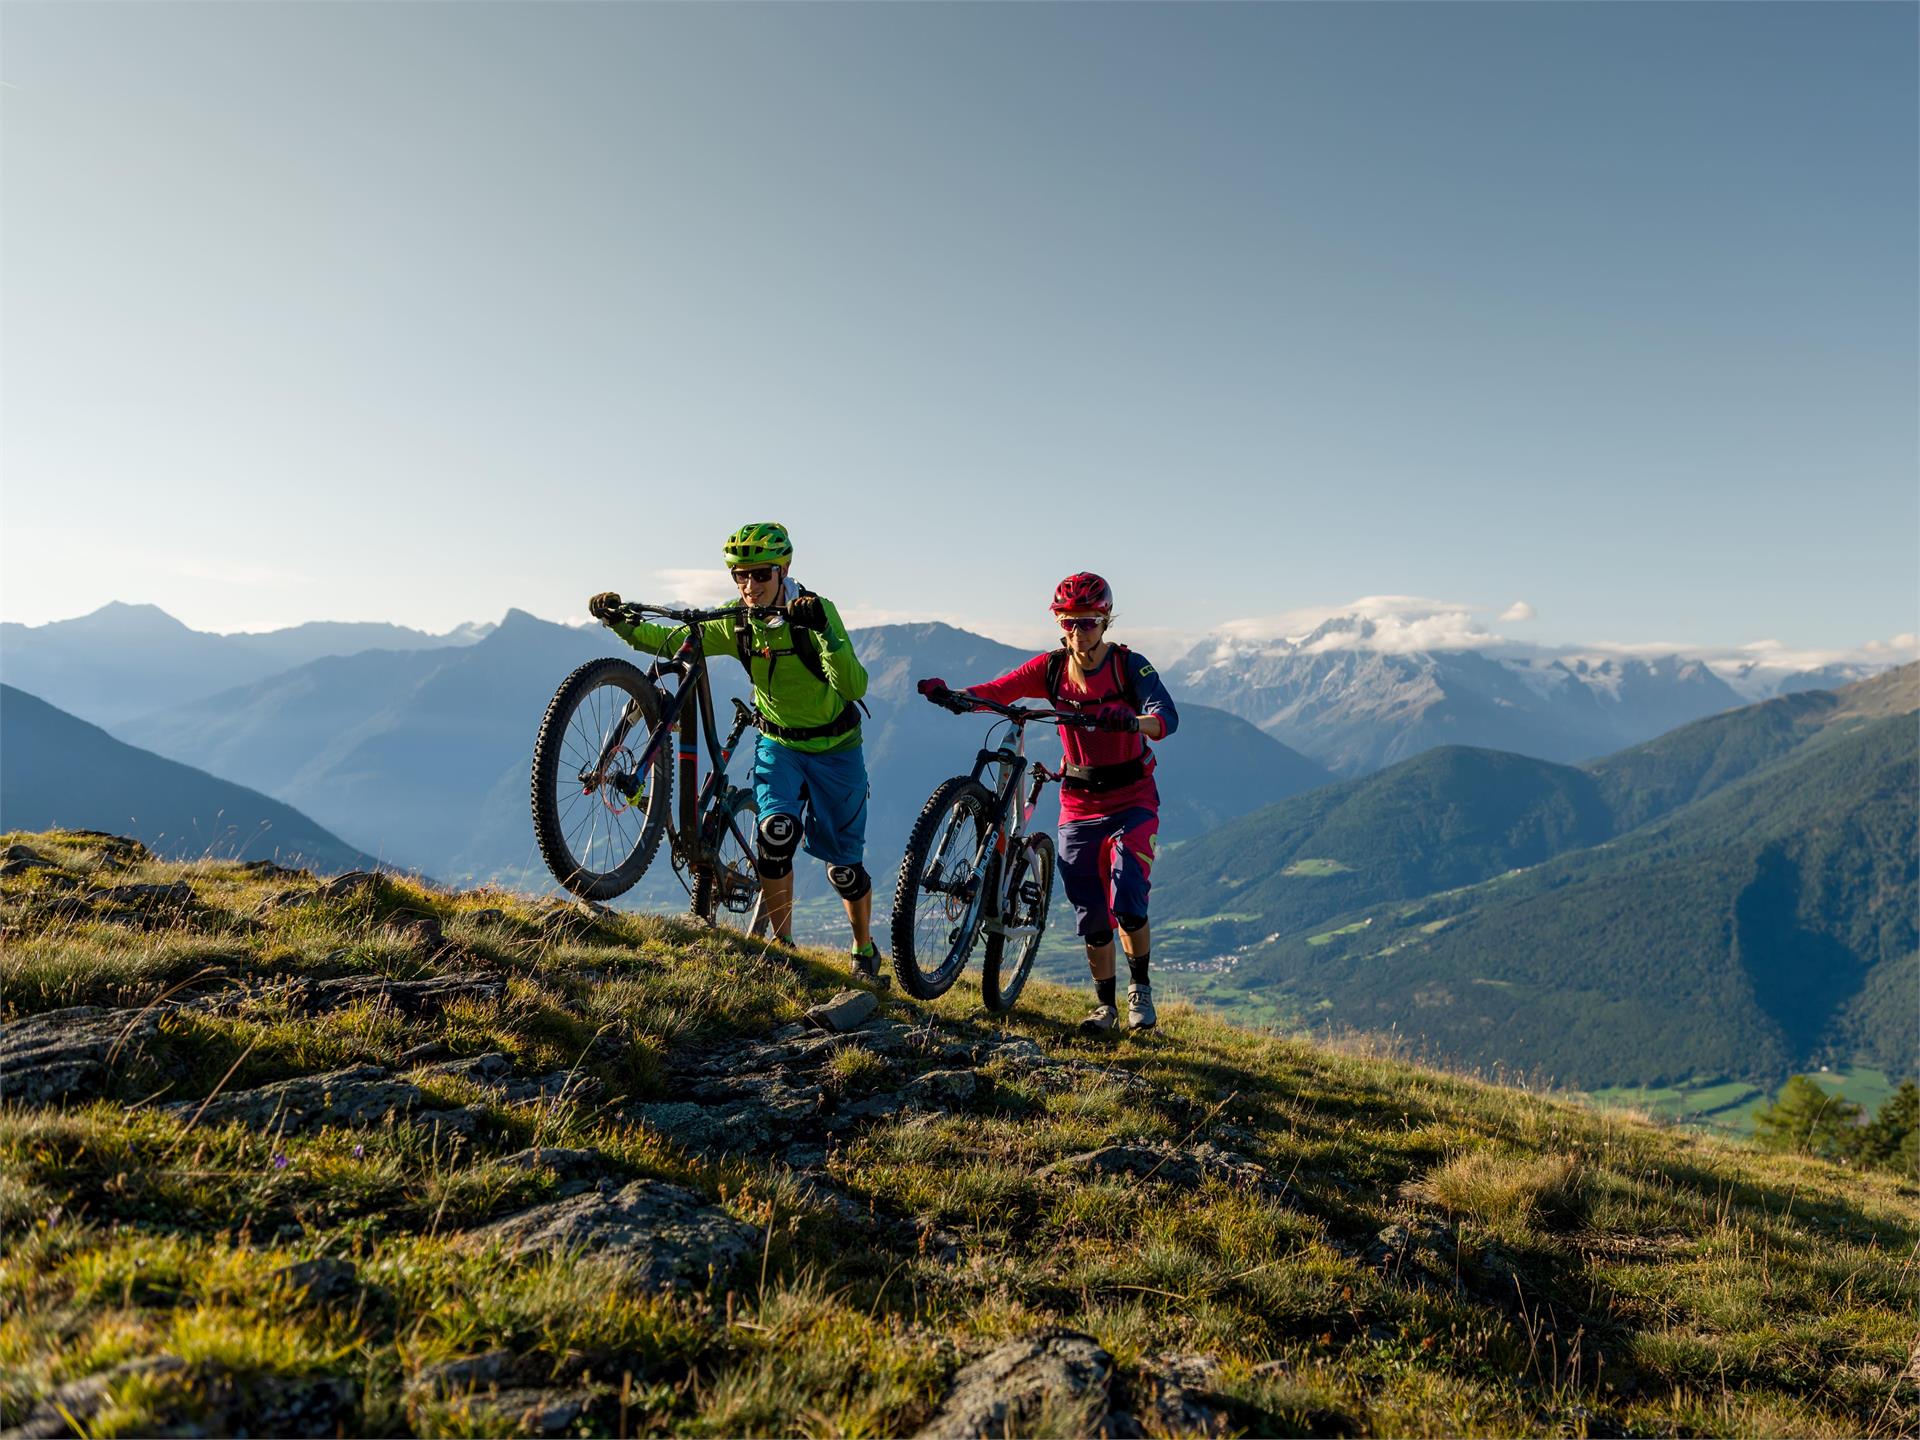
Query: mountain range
point(57, 771)
point(423, 754)
point(1356, 709)
point(126, 660)
point(1737, 897)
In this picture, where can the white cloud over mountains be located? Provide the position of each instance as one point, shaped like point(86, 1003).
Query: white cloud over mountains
point(1404, 624)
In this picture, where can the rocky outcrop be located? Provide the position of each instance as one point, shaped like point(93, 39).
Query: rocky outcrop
point(66, 1054)
point(356, 1096)
point(665, 1235)
point(1054, 1382)
point(1168, 1164)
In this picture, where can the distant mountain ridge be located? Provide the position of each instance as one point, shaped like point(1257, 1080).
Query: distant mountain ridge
point(1356, 709)
point(426, 753)
point(57, 771)
point(126, 660)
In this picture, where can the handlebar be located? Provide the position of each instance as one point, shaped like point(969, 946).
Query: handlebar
point(960, 703)
point(634, 611)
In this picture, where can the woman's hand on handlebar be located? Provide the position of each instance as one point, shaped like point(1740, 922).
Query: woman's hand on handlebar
point(935, 689)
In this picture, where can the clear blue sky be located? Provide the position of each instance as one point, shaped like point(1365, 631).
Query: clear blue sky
point(416, 312)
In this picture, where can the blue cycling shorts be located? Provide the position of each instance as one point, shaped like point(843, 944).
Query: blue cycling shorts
point(827, 793)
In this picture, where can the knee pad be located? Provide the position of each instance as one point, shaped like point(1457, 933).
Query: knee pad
point(851, 881)
point(1132, 924)
point(1094, 939)
point(777, 837)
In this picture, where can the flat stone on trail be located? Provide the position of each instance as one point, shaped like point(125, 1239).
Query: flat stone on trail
point(668, 1236)
point(1057, 1378)
point(357, 1095)
point(62, 1054)
point(846, 1011)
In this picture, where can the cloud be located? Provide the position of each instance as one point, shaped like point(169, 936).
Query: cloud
point(708, 585)
point(1392, 623)
point(1519, 610)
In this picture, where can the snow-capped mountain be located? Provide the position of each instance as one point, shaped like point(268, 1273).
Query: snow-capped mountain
point(1333, 695)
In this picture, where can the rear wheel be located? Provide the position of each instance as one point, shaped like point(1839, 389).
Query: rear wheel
point(1008, 959)
point(597, 819)
point(941, 892)
point(726, 883)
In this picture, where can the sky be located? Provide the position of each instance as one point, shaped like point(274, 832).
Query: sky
point(1575, 322)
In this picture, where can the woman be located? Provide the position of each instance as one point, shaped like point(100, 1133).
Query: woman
point(1109, 804)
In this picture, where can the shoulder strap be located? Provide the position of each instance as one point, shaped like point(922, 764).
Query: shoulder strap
point(1121, 659)
point(743, 639)
point(805, 648)
point(1129, 691)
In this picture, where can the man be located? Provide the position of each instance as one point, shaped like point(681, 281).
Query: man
point(809, 771)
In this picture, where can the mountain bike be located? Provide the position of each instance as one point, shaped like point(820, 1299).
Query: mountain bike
point(603, 779)
point(970, 868)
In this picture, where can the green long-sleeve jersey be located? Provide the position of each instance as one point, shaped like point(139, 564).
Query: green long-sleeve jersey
point(784, 689)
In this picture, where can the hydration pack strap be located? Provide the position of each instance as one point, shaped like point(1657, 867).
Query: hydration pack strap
point(847, 719)
point(1103, 777)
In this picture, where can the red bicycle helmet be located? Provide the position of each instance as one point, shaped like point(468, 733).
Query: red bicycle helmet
point(1082, 593)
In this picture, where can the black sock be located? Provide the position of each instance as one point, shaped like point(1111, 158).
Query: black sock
point(1137, 969)
point(1103, 990)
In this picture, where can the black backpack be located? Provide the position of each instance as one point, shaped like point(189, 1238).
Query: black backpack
point(805, 648)
point(1057, 668)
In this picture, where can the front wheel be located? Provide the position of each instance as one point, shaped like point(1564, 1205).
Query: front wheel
point(726, 881)
point(1008, 958)
point(597, 818)
point(942, 889)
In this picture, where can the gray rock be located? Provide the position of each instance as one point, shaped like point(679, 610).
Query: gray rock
point(1055, 1382)
point(848, 1010)
point(358, 1095)
point(320, 1281)
point(1166, 1164)
point(668, 1236)
point(1175, 1391)
point(82, 1399)
point(717, 1129)
point(19, 859)
point(354, 882)
point(578, 1169)
point(532, 1411)
point(1019, 1053)
point(410, 997)
point(272, 870)
point(66, 1054)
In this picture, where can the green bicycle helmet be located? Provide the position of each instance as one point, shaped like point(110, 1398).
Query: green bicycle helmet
point(761, 543)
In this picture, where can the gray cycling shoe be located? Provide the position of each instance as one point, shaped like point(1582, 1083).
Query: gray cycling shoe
point(866, 966)
point(1103, 1019)
point(1140, 1012)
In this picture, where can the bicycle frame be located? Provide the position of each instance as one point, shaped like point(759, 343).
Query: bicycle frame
point(1015, 808)
point(687, 709)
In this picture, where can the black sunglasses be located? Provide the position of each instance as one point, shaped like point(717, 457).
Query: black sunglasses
point(757, 574)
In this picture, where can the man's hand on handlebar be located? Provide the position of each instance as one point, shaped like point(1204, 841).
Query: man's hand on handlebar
point(604, 607)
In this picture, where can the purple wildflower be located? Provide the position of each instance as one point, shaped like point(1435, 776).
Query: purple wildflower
point(279, 1161)
point(359, 1152)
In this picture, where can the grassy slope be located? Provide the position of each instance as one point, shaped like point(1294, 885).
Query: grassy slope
point(1595, 965)
point(1597, 1273)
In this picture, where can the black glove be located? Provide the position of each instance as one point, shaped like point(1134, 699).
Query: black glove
point(1116, 717)
point(807, 613)
point(604, 606)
